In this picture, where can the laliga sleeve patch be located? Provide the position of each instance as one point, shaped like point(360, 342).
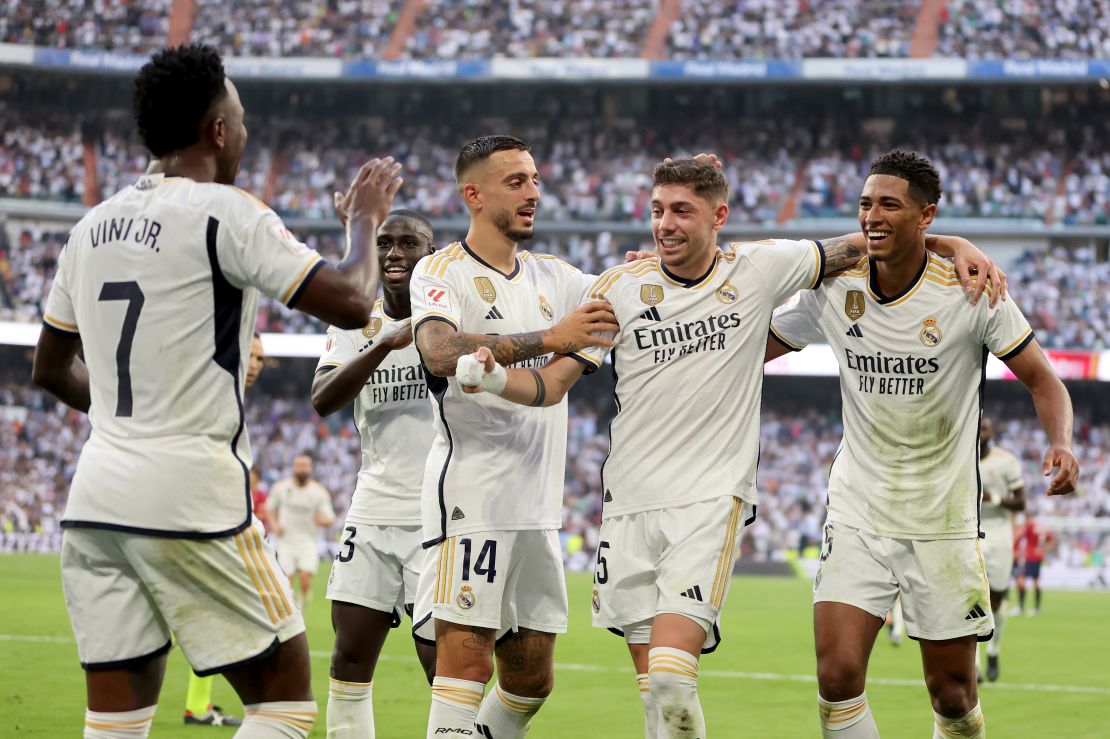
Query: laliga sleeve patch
point(281, 234)
point(437, 297)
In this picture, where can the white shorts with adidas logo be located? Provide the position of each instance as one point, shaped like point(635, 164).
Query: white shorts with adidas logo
point(501, 580)
point(669, 560)
point(943, 582)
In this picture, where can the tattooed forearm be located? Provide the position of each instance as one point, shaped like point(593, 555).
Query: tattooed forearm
point(842, 252)
point(441, 346)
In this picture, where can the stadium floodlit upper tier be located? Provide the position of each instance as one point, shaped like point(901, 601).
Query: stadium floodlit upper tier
point(663, 29)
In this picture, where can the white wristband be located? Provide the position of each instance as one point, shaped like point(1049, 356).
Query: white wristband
point(470, 372)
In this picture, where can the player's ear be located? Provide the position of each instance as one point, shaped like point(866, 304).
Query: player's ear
point(472, 196)
point(928, 213)
point(720, 217)
point(215, 131)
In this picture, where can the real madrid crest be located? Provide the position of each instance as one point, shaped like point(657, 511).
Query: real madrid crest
point(371, 329)
point(651, 294)
point(465, 598)
point(727, 293)
point(546, 309)
point(597, 601)
point(854, 305)
point(930, 334)
point(485, 289)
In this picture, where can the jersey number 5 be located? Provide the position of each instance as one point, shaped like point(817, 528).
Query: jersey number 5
point(130, 292)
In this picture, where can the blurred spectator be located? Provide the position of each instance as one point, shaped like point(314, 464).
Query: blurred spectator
point(1025, 29)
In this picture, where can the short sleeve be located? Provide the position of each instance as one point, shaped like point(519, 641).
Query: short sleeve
point(797, 326)
point(1005, 330)
point(323, 505)
point(575, 287)
point(59, 314)
point(276, 499)
point(431, 295)
point(264, 255)
point(602, 288)
point(786, 266)
point(338, 350)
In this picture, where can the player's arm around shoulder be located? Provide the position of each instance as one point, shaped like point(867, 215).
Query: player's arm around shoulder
point(1054, 410)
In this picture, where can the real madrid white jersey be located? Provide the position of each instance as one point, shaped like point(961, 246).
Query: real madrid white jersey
point(493, 465)
point(689, 372)
point(1001, 474)
point(394, 422)
point(296, 507)
point(911, 374)
point(161, 282)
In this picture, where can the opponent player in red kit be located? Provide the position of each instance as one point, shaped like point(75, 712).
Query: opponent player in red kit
point(1029, 548)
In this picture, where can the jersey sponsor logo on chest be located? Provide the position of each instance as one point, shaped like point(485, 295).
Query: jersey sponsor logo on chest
point(397, 384)
point(679, 339)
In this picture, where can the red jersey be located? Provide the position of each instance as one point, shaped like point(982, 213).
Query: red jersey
point(258, 505)
point(1030, 542)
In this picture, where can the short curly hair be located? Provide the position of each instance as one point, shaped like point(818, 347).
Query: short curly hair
point(915, 169)
point(704, 179)
point(173, 93)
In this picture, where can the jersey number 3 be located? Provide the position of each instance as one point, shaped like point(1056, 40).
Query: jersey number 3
point(130, 292)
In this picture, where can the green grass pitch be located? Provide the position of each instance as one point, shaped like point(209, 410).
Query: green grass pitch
point(1055, 682)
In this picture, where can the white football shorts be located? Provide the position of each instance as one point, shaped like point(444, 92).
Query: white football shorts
point(943, 582)
point(501, 580)
point(224, 600)
point(299, 555)
point(670, 560)
point(377, 567)
point(998, 552)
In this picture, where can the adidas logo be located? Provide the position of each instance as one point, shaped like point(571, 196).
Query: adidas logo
point(651, 314)
point(493, 314)
point(693, 593)
point(457, 514)
point(483, 730)
point(976, 612)
point(608, 497)
point(854, 331)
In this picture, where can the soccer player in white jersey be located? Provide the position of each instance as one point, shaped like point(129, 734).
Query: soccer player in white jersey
point(298, 506)
point(679, 481)
point(492, 488)
point(1003, 496)
point(374, 577)
point(158, 287)
point(904, 489)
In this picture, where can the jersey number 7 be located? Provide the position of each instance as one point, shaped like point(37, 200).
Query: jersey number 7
point(130, 292)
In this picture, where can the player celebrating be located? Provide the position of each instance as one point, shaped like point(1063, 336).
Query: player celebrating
point(1003, 495)
point(158, 287)
point(374, 577)
point(297, 506)
point(492, 487)
point(1032, 543)
point(904, 489)
point(692, 318)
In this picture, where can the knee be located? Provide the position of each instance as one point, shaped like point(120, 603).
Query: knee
point(953, 697)
point(349, 661)
point(840, 680)
point(536, 684)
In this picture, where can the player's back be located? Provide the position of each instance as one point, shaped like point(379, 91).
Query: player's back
point(158, 281)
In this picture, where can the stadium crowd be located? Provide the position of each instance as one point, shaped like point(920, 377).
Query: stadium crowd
point(40, 440)
point(460, 29)
point(1064, 293)
point(595, 171)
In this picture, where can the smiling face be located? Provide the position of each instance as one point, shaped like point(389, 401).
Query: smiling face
point(891, 220)
point(505, 190)
point(402, 242)
point(685, 227)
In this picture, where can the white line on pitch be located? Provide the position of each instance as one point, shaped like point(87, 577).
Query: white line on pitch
point(778, 677)
point(726, 674)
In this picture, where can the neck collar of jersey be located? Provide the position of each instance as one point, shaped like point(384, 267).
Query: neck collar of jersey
point(686, 282)
point(873, 283)
point(487, 265)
